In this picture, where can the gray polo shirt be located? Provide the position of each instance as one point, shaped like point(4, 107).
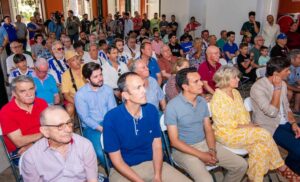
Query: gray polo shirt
point(188, 119)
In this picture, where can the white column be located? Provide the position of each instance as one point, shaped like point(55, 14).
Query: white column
point(265, 8)
point(73, 5)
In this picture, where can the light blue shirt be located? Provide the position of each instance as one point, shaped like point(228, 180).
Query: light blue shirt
point(154, 93)
point(92, 106)
point(45, 89)
point(294, 75)
point(3, 34)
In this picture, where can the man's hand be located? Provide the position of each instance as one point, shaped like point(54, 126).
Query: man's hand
point(296, 130)
point(276, 81)
point(23, 149)
point(100, 128)
point(208, 158)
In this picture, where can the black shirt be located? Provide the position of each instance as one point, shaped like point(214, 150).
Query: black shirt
point(85, 26)
point(175, 49)
point(252, 74)
point(279, 51)
point(146, 24)
point(174, 24)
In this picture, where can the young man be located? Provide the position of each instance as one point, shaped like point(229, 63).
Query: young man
point(174, 46)
point(85, 24)
point(191, 134)
point(22, 68)
point(92, 102)
point(174, 24)
point(222, 40)
point(20, 117)
point(60, 155)
point(251, 26)
point(230, 49)
point(271, 111)
point(132, 137)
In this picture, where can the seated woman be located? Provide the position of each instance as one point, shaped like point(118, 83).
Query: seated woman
point(234, 129)
point(171, 88)
point(196, 55)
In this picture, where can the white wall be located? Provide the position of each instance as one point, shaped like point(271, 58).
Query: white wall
point(216, 15)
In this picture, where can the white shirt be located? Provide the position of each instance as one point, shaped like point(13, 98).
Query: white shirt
point(111, 75)
point(87, 58)
point(128, 51)
point(128, 26)
point(270, 33)
point(10, 65)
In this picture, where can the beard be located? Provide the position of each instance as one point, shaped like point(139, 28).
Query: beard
point(96, 84)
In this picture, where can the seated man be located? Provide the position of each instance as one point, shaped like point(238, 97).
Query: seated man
point(271, 111)
point(102, 51)
point(132, 49)
point(60, 155)
point(92, 102)
point(191, 134)
point(166, 62)
point(113, 69)
point(92, 55)
point(208, 69)
point(72, 80)
point(280, 49)
point(22, 68)
point(154, 93)
point(132, 137)
point(17, 48)
point(19, 118)
point(45, 83)
point(293, 81)
point(230, 48)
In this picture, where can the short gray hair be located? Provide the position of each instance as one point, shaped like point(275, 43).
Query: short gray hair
point(134, 65)
point(20, 79)
point(293, 54)
point(92, 44)
point(41, 62)
point(52, 108)
point(56, 43)
point(223, 76)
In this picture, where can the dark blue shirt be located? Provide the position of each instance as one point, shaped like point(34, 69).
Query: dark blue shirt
point(32, 26)
point(230, 48)
point(11, 32)
point(133, 137)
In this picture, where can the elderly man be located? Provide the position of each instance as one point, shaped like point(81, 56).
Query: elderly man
point(57, 64)
point(293, 82)
point(60, 155)
point(280, 49)
point(17, 48)
point(92, 102)
point(150, 62)
point(208, 68)
point(67, 43)
point(166, 61)
point(271, 111)
point(92, 55)
point(132, 49)
point(132, 137)
point(45, 83)
point(255, 51)
point(154, 93)
point(19, 118)
point(72, 80)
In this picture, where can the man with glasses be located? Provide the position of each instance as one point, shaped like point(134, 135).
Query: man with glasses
point(132, 137)
point(255, 51)
point(57, 64)
point(92, 102)
point(60, 155)
point(17, 48)
point(112, 70)
point(45, 83)
point(19, 118)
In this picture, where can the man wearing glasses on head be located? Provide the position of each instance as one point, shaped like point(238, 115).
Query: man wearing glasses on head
point(60, 155)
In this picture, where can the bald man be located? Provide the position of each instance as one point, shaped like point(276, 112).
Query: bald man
point(208, 68)
point(69, 157)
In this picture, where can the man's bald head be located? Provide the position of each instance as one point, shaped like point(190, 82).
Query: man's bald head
point(213, 54)
point(48, 114)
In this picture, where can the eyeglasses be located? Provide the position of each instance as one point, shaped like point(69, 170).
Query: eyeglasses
point(41, 71)
point(60, 49)
point(62, 126)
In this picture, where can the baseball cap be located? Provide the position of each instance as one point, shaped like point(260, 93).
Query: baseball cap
point(281, 36)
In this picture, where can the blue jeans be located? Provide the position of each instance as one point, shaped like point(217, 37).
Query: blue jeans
point(94, 137)
point(74, 38)
point(285, 137)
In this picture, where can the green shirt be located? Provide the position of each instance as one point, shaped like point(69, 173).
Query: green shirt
point(221, 43)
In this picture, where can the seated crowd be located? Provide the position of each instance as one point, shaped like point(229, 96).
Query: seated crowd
point(118, 79)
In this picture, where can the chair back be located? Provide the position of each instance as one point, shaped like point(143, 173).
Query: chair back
point(106, 158)
point(260, 72)
point(223, 61)
point(248, 104)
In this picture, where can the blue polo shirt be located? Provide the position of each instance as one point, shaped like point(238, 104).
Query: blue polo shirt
point(153, 67)
point(294, 76)
point(10, 31)
point(133, 137)
point(230, 48)
point(46, 89)
point(32, 26)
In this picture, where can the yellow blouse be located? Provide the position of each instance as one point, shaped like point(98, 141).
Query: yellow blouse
point(227, 113)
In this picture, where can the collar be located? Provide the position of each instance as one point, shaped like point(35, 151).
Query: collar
point(128, 115)
point(35, 76)
point(47, 146)
point(181, 96)
point(110, 63)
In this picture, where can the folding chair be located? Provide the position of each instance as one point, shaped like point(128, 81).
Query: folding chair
point(261, 72)
point(165, 140)
point(76, 117)
point(13, 166)
point(106, 158)
point(223, 61)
